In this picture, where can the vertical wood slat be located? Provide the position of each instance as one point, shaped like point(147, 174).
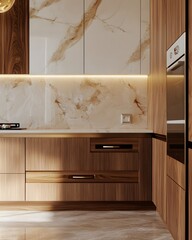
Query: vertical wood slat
point(159, 176)
point(15, 39)
point(1, 43)
point(175, 20)
point(175, 210)
point(190, 193)
point(157, 79)
point(190, 68)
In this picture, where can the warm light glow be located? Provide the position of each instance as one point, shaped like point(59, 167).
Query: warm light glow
point(72, 76)
point(5, 5)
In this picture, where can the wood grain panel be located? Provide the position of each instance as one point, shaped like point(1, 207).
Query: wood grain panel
point(1, 43)
point(190, 68)
point(57, 154)
point(157, 80)
point(12, 155)
point(175, 210)
point(159, 176)
point(16, 38)
point(176, 171)
point(175, 20)
point(183, 15)
point(114, 161)
point(64, 177)
point(145, 169)
point(190, 192)
point(12, 187)
point(82, 192)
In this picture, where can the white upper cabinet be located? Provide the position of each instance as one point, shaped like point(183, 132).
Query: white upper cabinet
point(56, 36)
point(89, 37)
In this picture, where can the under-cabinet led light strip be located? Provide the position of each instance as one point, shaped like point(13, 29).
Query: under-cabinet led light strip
point(70, 76)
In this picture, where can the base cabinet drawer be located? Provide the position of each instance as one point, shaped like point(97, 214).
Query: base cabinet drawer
point(82, 191)
point(12, 187)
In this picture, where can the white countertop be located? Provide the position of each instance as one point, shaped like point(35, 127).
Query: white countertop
point(72, 131)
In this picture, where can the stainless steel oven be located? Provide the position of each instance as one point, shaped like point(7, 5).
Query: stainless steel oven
point(176, 94)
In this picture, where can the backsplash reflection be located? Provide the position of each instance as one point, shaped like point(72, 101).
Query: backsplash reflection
point(73, 102)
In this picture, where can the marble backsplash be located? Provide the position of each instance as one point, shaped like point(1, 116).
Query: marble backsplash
point(73, 102)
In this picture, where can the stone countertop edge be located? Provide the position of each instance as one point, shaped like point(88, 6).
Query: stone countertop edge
point(32, 132)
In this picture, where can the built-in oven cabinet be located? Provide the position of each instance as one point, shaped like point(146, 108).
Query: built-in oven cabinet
point(175, 20)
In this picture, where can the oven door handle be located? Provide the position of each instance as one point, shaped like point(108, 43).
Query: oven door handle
point(176, 65)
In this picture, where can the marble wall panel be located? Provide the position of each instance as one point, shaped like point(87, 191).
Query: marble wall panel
point(145, 37)
point(117, 41)
point(74, 102)
point(56, 36)
point(89, 36)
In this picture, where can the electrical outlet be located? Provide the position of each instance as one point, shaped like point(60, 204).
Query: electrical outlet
point(126, 118)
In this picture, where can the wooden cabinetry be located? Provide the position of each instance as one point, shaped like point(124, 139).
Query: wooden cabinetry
point(157, 80)
point(176, 198)
point(159, 176)
point(190, 68)
point(190, 192)
point(88, 169)
point(175, 20)
point(12, 169)
point(175, 209)
point(14, 46)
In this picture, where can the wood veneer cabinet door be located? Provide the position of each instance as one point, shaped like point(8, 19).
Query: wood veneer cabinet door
point(12, 187)
point(56, 154)
point(14, 40)
point(175, 210)
point(175, 20)
point(190, 67)
point(190, 193)
point(157, 80)
point(12, 155)
point(159, 176)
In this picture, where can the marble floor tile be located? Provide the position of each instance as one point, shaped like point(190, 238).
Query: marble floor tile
point(82, 225)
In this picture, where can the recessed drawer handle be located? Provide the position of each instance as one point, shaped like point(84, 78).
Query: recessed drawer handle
point(118, 146)
point(82, 176)
point(108, 146)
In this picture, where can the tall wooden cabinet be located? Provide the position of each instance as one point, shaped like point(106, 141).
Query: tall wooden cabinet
point(157, 80)
point(14, 39)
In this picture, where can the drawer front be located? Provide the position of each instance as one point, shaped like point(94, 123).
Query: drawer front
point(114, 161)
point(12, 155)
point(83, 177)
point(56, 154)
point(12, 187)
point(82, 192)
